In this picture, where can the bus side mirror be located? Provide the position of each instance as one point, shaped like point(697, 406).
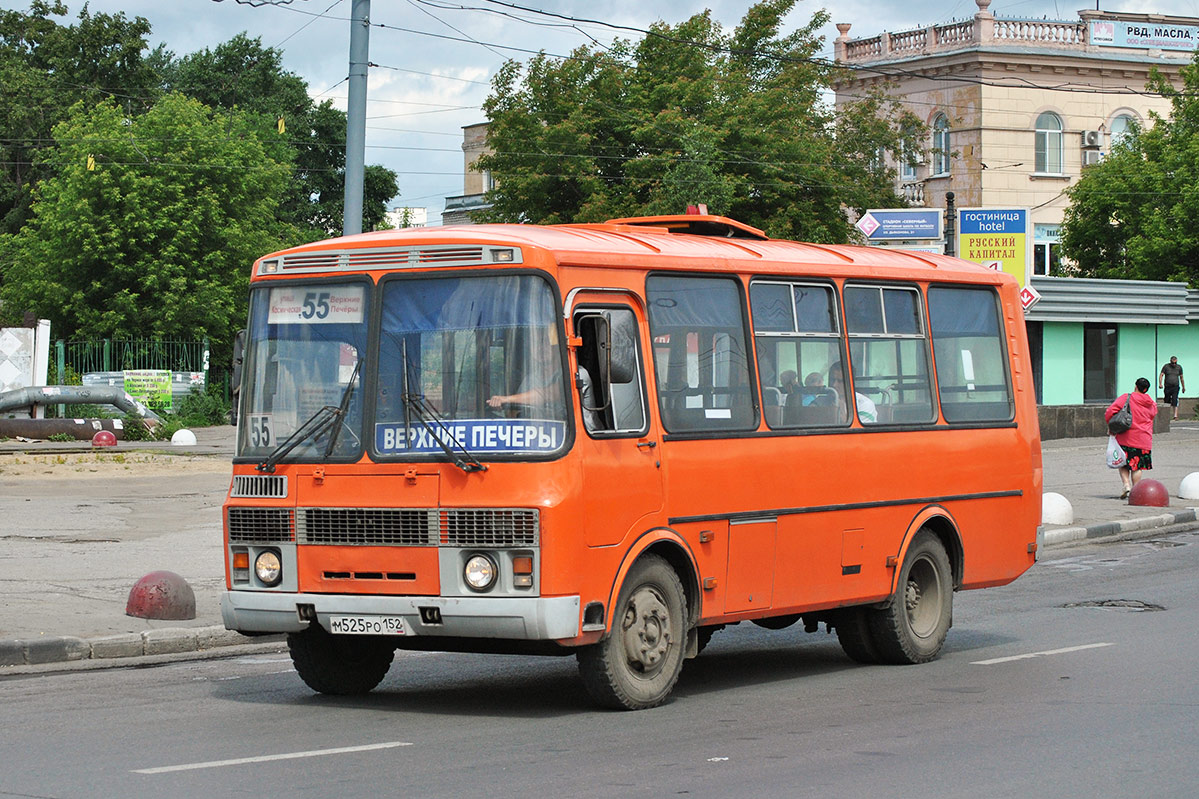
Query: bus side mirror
point(622, 346)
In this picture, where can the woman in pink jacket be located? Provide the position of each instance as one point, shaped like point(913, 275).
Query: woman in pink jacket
point(1137, 441)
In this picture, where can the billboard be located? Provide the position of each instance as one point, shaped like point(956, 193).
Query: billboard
point(901, 224)
point(1144, 35)
point(997, 238)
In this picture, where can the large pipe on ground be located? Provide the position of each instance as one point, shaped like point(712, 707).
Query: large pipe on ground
point(42, 429)
point(75, 395)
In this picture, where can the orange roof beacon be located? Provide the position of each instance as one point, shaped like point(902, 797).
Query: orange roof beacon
point(615, 439)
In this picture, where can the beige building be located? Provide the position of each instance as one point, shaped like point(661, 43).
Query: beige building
point(475, 184)
point(1017, 108)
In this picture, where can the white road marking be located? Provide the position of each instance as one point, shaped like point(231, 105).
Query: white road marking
point(267, 758)
point(993, 661)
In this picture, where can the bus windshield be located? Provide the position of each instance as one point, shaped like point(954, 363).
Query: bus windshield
point(484, 367)
point(305, 344)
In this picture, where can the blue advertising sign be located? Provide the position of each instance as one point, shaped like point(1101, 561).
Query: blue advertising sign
point(478, 436)
point(1144, 35)
point(902, 224)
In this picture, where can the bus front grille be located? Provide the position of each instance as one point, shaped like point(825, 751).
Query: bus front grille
point(451, 527)
point(367, 526)
point(260, 525)
point(490, 527)
point(273, 486)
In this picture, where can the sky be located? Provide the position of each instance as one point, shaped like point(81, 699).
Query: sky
point(435, 58)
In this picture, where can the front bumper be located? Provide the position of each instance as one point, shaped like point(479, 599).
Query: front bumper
point(510, 618)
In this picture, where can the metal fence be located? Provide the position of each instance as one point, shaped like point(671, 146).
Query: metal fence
point(115, 355)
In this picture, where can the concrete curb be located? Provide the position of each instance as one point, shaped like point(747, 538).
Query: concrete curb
point(1066, 535)
point(167, 641)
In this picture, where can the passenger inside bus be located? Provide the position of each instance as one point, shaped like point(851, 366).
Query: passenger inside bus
point(539, 392)
point(867, 411)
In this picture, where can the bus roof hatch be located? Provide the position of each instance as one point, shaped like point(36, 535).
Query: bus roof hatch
point(696, 225)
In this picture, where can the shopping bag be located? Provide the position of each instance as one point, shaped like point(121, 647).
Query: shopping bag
point(1121, 420)
point(1116, 457)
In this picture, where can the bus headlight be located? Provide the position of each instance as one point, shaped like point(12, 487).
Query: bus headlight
point(480, 572)
point(267, 568)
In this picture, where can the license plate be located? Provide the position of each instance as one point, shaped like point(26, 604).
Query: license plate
point(367, 625)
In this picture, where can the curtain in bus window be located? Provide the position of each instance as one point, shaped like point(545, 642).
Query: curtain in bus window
point(968, 343)
point(698, 327)
point(467, 303)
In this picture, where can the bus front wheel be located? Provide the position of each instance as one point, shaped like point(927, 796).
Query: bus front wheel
point(339, 664)
point(637, 665)
point(912, 625)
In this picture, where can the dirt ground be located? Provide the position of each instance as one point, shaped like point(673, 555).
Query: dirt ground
point(78, 529)
point(108, 465)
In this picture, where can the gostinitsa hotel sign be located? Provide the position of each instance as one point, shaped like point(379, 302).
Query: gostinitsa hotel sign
point(1147, 35)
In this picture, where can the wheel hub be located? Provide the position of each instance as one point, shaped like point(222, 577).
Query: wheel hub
point(647, 636)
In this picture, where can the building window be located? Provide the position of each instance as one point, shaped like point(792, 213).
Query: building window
point(908, 161)
point(1049, 144)
point(1046, 250)
point(940, 147)
point(1121, 127)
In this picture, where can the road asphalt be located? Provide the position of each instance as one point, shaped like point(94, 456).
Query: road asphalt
point(74, 543)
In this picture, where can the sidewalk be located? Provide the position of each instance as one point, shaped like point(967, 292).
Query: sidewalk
point(79, 527)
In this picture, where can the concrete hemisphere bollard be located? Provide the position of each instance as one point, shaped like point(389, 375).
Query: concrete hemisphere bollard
point(161, 595)
point(1056, 509)
point(104, 438)
point(1149, 493)
point(183, 438)
point(1189, 487)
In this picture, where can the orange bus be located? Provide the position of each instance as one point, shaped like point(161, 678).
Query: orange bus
point(613, 440)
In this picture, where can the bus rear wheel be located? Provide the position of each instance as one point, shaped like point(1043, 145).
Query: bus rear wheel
point(853, 633)
point(339, 664)
point(912, 626)
point(637, 665)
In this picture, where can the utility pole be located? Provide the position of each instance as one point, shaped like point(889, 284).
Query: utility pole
point(356, 117)
point(951, 218)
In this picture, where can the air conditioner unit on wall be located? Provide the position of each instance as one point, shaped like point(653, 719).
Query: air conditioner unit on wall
point(1092, 138)
point(1090, 157)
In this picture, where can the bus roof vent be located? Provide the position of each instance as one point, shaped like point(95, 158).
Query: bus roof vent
point(697, 225)
point(386, 258)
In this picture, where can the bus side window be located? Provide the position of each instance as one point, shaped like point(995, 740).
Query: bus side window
point(968, 340)
point(610, 381)
point(698, 328)
point(799, 353)
point(888, 352)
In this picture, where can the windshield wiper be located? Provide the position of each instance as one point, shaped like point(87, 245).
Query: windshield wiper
point(316, 424)
point(427, 415)
point(342, 408)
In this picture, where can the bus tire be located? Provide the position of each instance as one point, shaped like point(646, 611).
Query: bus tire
point(637, 665)
point(912, 625)
point(853, 633)
point(341, 665)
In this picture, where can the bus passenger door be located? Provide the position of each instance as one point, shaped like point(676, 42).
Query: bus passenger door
point(617, 439)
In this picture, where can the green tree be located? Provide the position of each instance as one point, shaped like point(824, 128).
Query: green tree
point(45, 68)
point(691, 114)
point(157, 239)
point(1132, 215)
point(242, 74)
